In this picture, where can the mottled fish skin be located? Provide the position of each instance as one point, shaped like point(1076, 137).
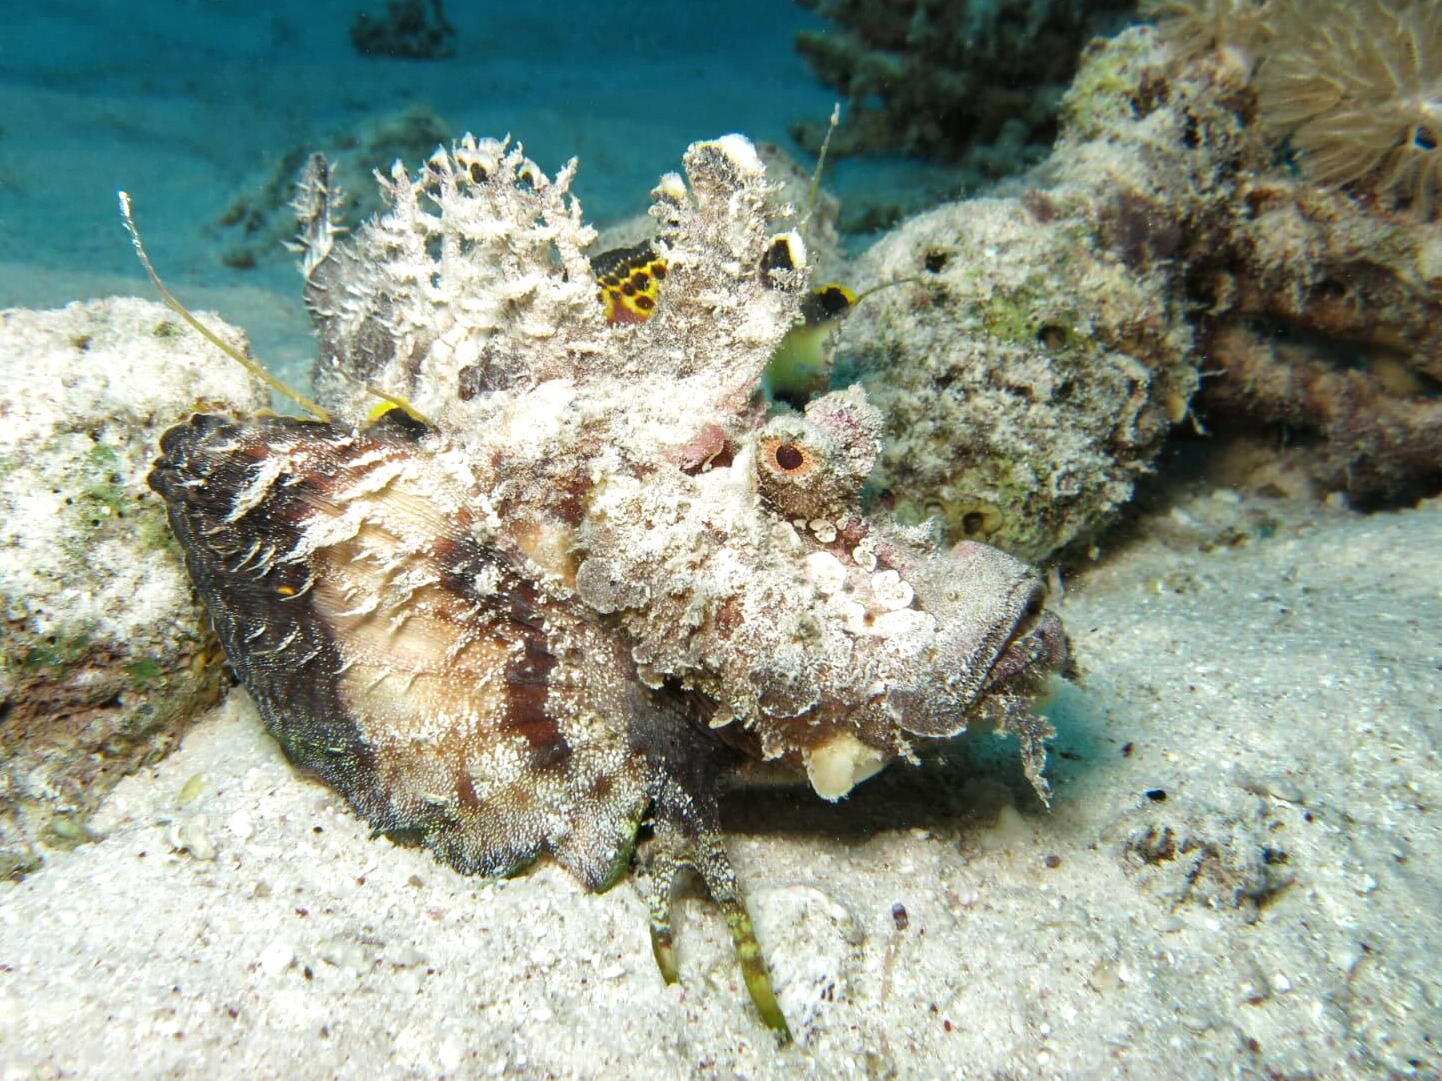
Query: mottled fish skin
point(396, 651)
point(598, 575)
point(402, 655)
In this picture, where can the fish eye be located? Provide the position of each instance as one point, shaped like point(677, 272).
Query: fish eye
point(789, 457)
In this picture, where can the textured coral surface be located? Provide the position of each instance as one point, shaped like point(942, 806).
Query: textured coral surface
point(1319, 306)
point(1026, 377)
point(107, 657)
point(1043, 345)
point(1040, 353)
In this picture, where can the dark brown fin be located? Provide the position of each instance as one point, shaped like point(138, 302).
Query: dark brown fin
point(688, 837)
point(401, 654)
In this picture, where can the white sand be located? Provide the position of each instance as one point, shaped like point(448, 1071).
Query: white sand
point(1284, 694)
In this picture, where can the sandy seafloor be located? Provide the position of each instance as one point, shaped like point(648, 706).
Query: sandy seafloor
point(1274, 916)
point(1239, 875)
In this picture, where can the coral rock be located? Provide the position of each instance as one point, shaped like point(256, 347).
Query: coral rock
point(107, 654)
point(976, 79)
point(1050, 340)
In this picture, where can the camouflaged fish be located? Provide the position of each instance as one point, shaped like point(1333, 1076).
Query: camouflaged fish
point(576, 576)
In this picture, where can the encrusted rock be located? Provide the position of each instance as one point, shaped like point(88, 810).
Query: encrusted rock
point(1050, 339)
point(1040, 354)
point(107, 656)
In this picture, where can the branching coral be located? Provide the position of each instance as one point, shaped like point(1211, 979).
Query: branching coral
point(948, 80)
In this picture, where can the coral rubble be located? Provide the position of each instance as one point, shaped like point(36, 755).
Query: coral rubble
point(107, 656)
point(1025, 380)
point(1325, 325)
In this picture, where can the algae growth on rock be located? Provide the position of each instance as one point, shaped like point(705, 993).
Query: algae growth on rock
point(1161, 268)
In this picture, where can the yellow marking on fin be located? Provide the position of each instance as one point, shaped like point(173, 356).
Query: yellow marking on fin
point(204, 331)
point(390, 401)
point(630, 280)
point(827, 303)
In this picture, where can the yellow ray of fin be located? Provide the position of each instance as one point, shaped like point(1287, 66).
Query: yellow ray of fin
point(204, 331)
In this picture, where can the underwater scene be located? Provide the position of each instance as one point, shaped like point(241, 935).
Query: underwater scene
point(787, 538)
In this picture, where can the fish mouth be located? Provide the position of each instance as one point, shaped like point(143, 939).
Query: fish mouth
point(1036, 647)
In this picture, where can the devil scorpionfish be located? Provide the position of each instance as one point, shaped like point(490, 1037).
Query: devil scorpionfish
point(573, 575)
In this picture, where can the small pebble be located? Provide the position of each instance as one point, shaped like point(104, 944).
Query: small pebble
point(240, 825)
point(192, 835)
point(449, 1054)
point(824, 531)
point(864, 557)
point(276, 958)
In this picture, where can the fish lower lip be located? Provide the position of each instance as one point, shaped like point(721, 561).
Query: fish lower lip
point(1040, 647)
